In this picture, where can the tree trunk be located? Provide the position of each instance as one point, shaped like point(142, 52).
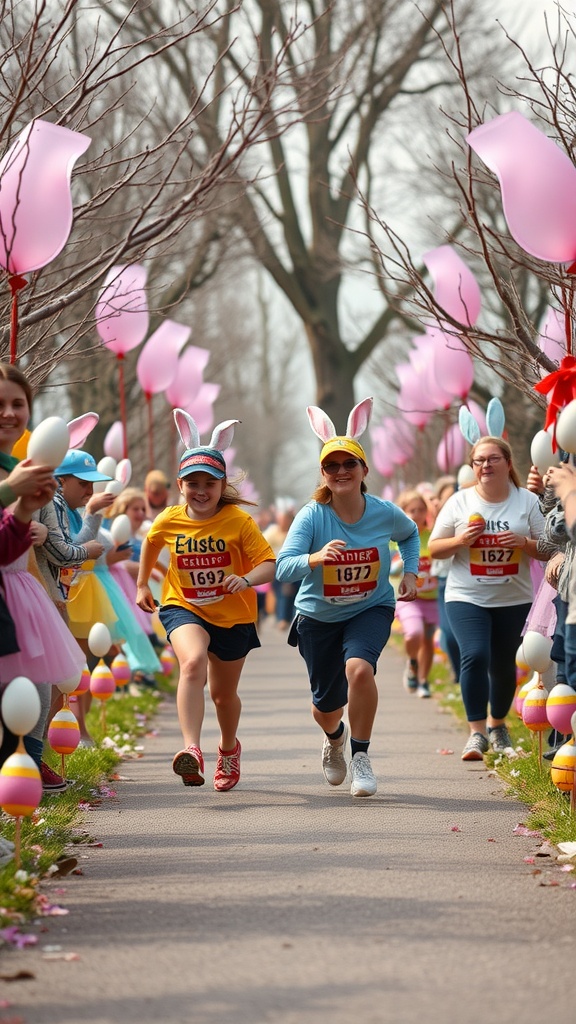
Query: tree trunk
point(334, 371)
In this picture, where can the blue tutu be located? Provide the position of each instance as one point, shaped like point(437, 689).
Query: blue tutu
point(127, 631)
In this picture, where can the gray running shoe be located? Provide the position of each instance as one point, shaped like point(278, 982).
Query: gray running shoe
point(333, 760)
point(500, 739)
point(423, 690)
point(476, 746)
point(363, 778)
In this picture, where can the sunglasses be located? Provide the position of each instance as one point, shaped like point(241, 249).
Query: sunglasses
point(331, 468)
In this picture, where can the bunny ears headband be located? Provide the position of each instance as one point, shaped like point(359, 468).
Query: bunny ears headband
point(196, 458)
point(495, 422)
point(323, 427)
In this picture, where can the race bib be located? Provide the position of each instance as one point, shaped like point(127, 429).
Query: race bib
point(202, 576)
point(426, 583)
point(489, 563)
point(353, 577)
point(67, 575)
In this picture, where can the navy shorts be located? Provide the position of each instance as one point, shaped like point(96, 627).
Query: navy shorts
point(228, 643)
point(327, 646)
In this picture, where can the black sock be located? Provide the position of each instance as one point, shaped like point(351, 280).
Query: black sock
point(359, 746)
point(336, 735)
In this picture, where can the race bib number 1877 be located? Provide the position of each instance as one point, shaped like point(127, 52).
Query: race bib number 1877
point(352, 577)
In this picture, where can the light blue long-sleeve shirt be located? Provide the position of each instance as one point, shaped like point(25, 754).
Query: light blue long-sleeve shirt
point(359, 579)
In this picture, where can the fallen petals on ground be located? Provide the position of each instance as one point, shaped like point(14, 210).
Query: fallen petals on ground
point(15, 937)
point(523, 830)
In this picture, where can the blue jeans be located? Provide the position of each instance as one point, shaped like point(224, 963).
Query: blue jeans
point(570, 654)
point(558, 653)
point(488, 639)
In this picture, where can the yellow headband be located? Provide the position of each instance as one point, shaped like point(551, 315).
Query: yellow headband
point(343, 444)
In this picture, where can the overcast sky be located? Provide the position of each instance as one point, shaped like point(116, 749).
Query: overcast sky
point(525, 18)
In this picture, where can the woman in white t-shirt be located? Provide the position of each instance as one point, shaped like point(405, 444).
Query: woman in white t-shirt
point(490, 531)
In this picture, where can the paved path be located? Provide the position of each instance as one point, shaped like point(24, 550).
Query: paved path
point(289, 902)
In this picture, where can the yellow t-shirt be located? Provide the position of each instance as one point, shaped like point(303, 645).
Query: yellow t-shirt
point(202, 554)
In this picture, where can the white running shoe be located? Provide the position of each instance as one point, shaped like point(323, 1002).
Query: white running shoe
point(363, 778)
point(333, 760)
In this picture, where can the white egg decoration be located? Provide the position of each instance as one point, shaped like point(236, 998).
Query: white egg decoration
point(107, 465)
point(49, 442)
point(465, 476)
point(566, 427)
point(124, 472)
point(99, 639)
point(69, 685)
point(121, 529)
point(541, 452)
point(20, 706)
point(114, 487)
point(536, 650)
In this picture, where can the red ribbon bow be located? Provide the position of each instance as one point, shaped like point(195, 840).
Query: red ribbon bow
point(561, 385)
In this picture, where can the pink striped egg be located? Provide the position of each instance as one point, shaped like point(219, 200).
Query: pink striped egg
point(521, 694)
point(20, 785)
point(534, 709)
point(121, 670)
point(84, 683)
point(64, 732)
point(560, 707)
point(102, 682)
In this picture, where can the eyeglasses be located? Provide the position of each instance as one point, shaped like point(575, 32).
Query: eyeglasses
point(490, 461)
point(331, 468)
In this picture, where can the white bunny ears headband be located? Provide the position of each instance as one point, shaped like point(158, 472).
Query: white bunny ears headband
point(198, 457)
point(495, 422)
point(323, 427)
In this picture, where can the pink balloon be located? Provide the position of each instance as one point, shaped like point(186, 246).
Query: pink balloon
point(114, 441)
point(455, 287)
point(188, 379)
point(122, 309)
point(81, 427)
point(453, 366)
point(452, 449)
point(412, 404)
point(424, 360)
point(158, 361)
point(35, 200)
point(552, 339)
point(397, 438)
point(382, 448)
point(538, 183)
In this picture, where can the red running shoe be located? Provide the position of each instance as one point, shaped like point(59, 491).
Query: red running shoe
point(227, 773)
point(51, 781)
point(189, 765)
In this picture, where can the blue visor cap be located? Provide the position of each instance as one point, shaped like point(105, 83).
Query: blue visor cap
point(81, 465)
point(202, 460)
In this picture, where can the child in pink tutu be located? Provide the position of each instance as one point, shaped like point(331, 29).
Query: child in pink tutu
point(47, 652)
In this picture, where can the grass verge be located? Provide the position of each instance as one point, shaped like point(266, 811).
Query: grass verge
point(50, 837)
point(524, 775)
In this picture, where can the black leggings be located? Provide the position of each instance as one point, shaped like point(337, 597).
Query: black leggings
point(488, 639)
